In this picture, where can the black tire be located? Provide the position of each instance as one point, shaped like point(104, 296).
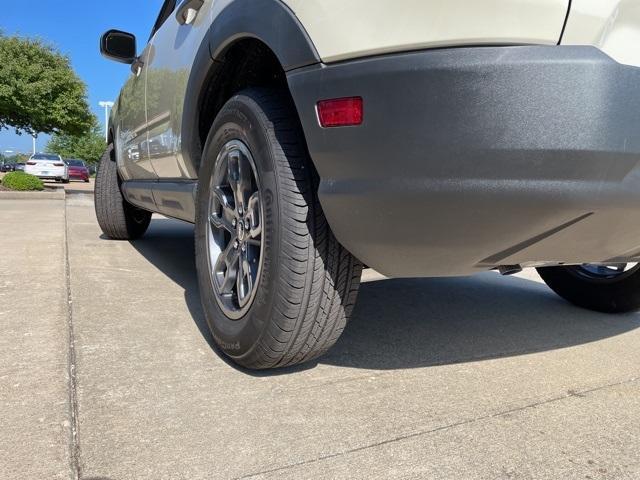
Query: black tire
point(308, 283)
point(118, 219)
point(612, 295)
point(65, 180)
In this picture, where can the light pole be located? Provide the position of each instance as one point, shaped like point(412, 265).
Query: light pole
point(34, 137)
point(106, 106)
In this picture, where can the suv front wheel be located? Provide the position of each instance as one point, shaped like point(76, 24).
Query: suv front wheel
point(276, 286)
point(118, 219)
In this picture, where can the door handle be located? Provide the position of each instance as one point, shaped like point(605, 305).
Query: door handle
point(188, 11)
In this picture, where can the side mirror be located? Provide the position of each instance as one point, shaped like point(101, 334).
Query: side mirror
point(119, 46)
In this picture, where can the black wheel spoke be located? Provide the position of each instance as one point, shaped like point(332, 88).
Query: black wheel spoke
point(253, 216)
point(244, 280)
point(223, 214)
point(240, 176)
point(227, 267)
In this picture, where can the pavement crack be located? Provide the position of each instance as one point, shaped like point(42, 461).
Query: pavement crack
point(74, 441)
point(570, 394)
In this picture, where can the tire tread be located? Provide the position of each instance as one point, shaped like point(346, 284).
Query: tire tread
point(319, 284)
point(113, 212)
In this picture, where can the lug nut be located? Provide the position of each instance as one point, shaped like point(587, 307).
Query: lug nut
point(244, 247)
point(247, 225)
point(234, 222)
point(236, 244)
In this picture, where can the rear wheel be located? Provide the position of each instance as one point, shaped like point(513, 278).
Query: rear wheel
point(276, 286)
point(605, 288)
point(118, 219)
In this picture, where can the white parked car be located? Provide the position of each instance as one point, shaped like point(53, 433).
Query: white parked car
point(48, 167)
point(423, 138)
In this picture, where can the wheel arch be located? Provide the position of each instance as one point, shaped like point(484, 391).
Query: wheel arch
point(250, 43)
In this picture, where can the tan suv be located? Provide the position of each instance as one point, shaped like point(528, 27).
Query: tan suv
point(305, 138)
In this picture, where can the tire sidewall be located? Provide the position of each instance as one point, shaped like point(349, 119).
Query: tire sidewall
point(616, 296)
point(241, 119)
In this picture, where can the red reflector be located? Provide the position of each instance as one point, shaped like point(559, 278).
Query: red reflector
point(340, 112)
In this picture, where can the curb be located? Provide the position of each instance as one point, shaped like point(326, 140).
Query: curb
point(71, 191)
point(58, 195)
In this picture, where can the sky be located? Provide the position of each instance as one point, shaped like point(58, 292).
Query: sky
point(74, 27)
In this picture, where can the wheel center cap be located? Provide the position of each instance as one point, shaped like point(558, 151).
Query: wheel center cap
point(241, 231)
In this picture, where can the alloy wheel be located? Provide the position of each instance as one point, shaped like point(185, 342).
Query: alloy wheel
point(235, 229)
point(605, 273)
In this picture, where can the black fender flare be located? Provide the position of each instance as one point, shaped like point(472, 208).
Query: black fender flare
point(269, 21)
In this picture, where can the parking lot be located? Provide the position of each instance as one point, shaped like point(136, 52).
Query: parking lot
point(108, 372)
point(76, 186)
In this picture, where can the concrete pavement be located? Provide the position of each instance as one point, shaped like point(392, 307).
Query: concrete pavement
point(483, 377)
point(36, 420)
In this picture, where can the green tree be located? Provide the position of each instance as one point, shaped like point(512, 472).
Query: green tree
point(88, 147)
point(39, 91)
point(17, 158)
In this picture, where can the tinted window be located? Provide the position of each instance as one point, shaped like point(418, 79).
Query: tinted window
point(44, 156)
point(165, 12)
point(75, 163)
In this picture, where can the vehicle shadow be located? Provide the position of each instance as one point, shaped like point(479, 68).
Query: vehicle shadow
point(409, 323)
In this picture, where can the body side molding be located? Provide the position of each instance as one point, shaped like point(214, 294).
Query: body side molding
point(174, 199)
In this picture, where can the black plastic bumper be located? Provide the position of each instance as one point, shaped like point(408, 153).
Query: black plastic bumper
point(471, 158)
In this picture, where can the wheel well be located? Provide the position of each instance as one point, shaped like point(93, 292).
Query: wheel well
point(246, 63)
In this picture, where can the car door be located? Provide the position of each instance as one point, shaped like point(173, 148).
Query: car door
point(174, 49)
point(131, 132)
